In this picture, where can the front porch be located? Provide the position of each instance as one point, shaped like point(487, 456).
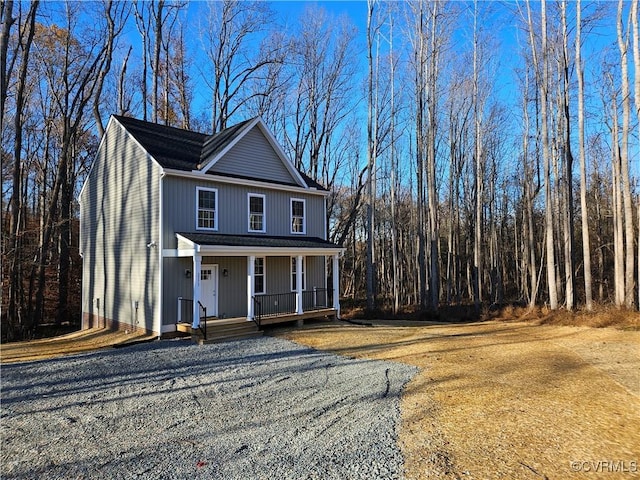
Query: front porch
point(269, 310)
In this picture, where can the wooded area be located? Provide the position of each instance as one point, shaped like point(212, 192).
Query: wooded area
point(448, 133)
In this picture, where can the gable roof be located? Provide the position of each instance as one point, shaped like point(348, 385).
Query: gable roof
point(186, 150)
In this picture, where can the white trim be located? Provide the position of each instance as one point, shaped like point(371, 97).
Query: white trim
point(325, 220)
point(215, 210)
point(336, 284)
point(213, 160)
point(250, 293)
point(160, 254)
point(263, 274)
point(299, 287)
point(304, 215)
point(215, 274)
point(195, 279)
point(264, 212)
point(304, 272)
point(198, 175)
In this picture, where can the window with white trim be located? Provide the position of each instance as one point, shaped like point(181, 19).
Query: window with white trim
point(294, 277)
point(259, 276)
point(206, 208)
point(298, 223)
point(257, 213)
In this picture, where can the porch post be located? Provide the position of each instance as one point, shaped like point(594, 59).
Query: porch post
point(299, 309)
point(336, 285)
point(197, 262)
point(251, 271)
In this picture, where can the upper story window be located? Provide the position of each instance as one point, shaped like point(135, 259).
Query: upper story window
point(298, 221)
point(257, 213)
point(206, 208)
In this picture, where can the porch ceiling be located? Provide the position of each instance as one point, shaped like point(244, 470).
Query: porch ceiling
point(216, 243)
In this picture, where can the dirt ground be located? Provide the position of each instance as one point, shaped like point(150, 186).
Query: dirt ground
point(495, 399)
point(71, 343)
point(514, 400)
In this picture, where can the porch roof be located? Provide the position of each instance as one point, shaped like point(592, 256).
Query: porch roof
point(225, 244)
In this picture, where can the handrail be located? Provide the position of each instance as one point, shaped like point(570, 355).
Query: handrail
point(257, 311)
point(203, 330)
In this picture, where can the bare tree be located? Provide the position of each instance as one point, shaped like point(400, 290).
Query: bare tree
point(623, 45)
point(323, 94)
point(228, 38)
point(115, 16)
point(586, 245)
point(541, 66)
point(16, 314)
point(72, 79)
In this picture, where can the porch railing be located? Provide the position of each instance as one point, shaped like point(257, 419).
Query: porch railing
point(185, 314)
point(275, 304)
point(203, 325)
point(185, 310)
point(316, 299)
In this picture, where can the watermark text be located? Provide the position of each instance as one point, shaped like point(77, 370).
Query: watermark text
point(605, 466)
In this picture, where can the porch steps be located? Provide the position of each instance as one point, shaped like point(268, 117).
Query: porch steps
point(225, 330)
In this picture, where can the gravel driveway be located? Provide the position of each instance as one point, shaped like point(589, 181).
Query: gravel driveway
point(261, 408)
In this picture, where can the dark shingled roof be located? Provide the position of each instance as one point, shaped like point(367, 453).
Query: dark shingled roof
point(181, 149)
point(257, 241)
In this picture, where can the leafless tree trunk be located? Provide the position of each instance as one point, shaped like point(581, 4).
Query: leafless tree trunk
point(394, 167)
point(541, 66)
point(568, 219)
point(618, 236)
point(124, 105)
point(6, 14)
point(623, 44)
point(144, 28)
point(372, 152)
point(586, 245)
point(635, 28)
point(15, 312)
point(479, 171)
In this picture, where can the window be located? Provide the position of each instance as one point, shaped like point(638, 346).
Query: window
point(294, 277)
point(258, 276)
point(297, 216)
point(207, 211)
point(256, 213)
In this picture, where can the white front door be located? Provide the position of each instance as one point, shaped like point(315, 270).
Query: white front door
point(209, 289)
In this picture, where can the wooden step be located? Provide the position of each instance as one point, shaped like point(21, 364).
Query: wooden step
point(225, 330)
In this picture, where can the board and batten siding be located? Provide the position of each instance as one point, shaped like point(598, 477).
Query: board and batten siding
point(179, 209)
point(253, 157)
point(119, 218)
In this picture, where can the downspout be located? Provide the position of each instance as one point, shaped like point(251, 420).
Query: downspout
point(159, 303)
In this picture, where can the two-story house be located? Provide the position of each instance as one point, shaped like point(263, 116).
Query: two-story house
point(178, 226)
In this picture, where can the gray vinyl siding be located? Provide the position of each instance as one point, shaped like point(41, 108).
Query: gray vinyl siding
point(232, 289)
point(119, 217)
point(179, 209)
point(176, 284)
point(253, 157)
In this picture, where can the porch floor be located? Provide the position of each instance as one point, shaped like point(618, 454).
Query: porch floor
point(290, 317)
point(222, 329)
